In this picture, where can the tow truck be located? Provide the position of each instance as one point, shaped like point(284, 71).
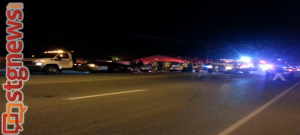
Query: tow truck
point(230, 67)
point(51, 62)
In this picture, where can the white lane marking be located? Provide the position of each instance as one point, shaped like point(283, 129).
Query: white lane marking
point(100, 95)
point(251, 115)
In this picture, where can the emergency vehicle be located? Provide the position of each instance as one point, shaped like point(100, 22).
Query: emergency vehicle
point(231, 66)
point(51, 62)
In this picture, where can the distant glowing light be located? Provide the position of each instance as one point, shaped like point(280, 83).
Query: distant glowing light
point(59, 51)
point(91, 65)
point(245, 59)
point(228, 67)
point(279, 59)
point(262, 61)
point(244, 66)
point(267, 66)
point(39, 64)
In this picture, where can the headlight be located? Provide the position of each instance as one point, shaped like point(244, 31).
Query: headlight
point(228, 67)
point(91, 65)
point(39, 64)
point(209, 66)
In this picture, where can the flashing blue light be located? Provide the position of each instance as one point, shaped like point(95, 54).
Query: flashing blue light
point(245, 59)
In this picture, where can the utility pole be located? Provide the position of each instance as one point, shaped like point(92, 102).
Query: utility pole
point(207, 55)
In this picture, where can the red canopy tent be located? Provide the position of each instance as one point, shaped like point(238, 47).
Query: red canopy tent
point(162, 58)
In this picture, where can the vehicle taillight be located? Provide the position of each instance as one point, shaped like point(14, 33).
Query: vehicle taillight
point(290, 70)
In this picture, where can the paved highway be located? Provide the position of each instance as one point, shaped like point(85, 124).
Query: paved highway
point(159, 104)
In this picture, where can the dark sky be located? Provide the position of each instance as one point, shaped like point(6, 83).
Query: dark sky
point(265, 30)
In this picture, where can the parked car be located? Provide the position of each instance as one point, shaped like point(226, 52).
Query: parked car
point(183, 67)
point(288, 72)
point(148, 67)
point(95, 66)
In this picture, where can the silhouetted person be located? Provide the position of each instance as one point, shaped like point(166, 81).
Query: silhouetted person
point(154, 66)
point(278, 73)
point(139, 65)
point(132, 65)
point(167, 66)
point(190, 67)
point(201, 67)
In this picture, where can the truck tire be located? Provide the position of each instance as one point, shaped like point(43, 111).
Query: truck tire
point(184, 69)
point(94, 71)
point(197, 70)
point(246, 72)
point(228, 72)
point(210, 71)
point(115, 70)
point(51, 70)
point(234, 71)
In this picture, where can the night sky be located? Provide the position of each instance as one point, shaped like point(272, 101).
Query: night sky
point(262, 30)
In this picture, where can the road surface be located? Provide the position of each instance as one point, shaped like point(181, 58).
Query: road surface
point(159, 104)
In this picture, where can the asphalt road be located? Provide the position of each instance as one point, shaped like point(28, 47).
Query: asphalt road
point(159, 104)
